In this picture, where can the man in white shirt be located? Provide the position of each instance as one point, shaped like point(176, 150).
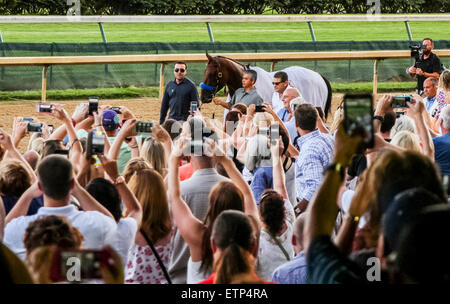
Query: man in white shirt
point(56, 182)
point(280, 84)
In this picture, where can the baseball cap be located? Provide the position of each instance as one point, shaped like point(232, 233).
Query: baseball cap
point(110, 120)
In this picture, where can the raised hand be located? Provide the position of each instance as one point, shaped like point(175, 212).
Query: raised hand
point(81, 112)
point(384, 105)
point(160, 134)
point(345, 147)
point(181, 147)
point(128, 127)
point(110, 166)
point(5, 140)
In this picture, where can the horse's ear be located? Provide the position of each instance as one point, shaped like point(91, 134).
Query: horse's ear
point(209, 57)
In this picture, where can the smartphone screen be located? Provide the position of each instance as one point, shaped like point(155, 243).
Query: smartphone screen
point(93, 105)
point(194, 106)
point(44, 108)
point(259, 109)
point(358, 117)
point(34, 127)
point(400, 101)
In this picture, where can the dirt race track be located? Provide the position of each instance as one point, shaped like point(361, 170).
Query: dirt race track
point(144, 109)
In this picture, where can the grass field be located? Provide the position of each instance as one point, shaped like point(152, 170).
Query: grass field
point(226, 32)
point(252, 32)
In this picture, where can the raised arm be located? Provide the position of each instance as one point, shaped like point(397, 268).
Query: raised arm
point(384, 104)
point(130, 201)
point(358, 207)
point(191, 228)
point(124, 132)
point(2, 218)
point(19, 130)
point(292, 150)
point(12, 152)
point(163, 137)
point(415, 111)
point(87, 202)
point(279, 179)
point(61, 114)
point(23, 204)
point(214, 151)
point(322, 210)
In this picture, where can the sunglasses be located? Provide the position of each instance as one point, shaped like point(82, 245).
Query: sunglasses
point(180, 70)
point(276, 83)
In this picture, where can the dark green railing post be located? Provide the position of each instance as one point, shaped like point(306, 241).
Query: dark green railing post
point(408, 30)
point(210, 33)
point(50, 82)
point(3, 54)
point(104, 42)
point(313, 37)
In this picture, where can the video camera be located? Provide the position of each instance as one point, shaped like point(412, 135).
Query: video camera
point(417, 52)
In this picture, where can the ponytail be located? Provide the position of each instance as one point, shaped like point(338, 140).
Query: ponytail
point(234, 261)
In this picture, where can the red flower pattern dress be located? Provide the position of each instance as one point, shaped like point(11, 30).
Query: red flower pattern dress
point(143, 267)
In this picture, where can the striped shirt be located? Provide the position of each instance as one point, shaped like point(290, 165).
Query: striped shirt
point(316, 152)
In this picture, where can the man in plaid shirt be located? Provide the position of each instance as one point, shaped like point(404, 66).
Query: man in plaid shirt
point(316, 153)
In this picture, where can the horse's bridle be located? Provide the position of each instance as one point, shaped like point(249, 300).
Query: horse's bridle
point(206, 87)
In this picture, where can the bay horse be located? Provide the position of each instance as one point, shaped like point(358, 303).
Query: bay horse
point(222, 71)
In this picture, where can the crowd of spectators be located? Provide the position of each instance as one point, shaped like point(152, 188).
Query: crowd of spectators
point(276, 196)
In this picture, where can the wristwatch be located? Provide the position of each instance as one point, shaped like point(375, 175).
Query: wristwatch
point(336, 167)
point(380, 118)
point(119, 180)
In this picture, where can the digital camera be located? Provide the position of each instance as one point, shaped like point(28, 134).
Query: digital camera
point(95, 144)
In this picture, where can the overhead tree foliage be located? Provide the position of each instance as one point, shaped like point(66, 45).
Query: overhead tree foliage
point(215, 7)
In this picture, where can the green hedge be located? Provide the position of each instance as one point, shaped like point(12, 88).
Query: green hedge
point(215, 7)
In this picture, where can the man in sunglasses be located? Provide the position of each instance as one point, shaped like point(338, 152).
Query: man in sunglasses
point(178, 95)
point(280, 84)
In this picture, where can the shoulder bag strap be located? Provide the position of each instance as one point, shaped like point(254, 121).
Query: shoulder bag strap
point(277, 241)
point(166, 274)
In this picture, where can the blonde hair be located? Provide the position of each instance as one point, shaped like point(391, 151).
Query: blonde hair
point(134, 165)
point(407, 140)
point(263, 120)
point(36, 143)
point(148, 187)
point(403, 123)
point(153, 152)
point(444, 80)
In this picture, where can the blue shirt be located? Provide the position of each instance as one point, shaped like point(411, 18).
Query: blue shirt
point(10, 201)
point(283, 114)
point(442, 152)
point(429, 102)
point(292, 272)
point(316, 152)
point(262, 180)
point(292, 129)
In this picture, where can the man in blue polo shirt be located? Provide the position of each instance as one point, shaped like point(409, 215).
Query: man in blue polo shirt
point(430, 89)
point(178, 95)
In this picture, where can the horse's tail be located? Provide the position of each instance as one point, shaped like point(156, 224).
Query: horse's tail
point(329, 97)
